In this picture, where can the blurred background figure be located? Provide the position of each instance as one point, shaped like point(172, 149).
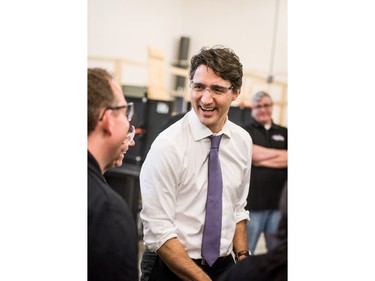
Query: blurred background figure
point(268, 171)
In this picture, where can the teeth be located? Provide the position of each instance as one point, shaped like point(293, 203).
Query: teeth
point(207, 108)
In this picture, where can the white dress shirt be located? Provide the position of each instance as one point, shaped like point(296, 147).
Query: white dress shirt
point(173, 182)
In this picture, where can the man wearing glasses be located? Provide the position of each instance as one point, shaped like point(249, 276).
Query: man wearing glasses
point(268, 172)
point(129, 141)
point(175, 179)
point(112, 236)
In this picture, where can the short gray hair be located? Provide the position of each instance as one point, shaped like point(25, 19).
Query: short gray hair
point(259, 95)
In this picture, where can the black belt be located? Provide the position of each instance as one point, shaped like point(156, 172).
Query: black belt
point(220, 262)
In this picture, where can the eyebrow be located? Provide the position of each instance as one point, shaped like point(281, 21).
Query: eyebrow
point(217, 85)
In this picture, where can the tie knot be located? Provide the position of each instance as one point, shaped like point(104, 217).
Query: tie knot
point(215, 141)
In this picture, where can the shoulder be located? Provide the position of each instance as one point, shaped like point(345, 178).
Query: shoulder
point(168, 148)
point(279, 127)
point(171, 120)
point(252, 125)
point(239, 133)
point(173, 136)
point(103, 199)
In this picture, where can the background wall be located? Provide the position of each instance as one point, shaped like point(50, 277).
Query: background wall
point(125, 28)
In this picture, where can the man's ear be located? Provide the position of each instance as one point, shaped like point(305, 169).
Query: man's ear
point(236, 94)
point(107, 122)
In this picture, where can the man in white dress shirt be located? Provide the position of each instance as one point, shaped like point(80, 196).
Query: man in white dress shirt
point(174, 176)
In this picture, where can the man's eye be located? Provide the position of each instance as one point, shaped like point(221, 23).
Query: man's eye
point(198, 87)
point(218, 90)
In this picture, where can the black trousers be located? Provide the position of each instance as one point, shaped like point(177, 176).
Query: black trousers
point(161, 272)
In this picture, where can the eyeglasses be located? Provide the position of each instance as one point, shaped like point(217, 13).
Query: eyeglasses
point(131, 134)
point(129, 110)
point(265, 106)
point(216, 89)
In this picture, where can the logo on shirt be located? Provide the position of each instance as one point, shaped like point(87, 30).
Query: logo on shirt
point(278, 138)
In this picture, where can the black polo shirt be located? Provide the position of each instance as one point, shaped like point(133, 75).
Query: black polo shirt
point(112, 236)
point(266, 184)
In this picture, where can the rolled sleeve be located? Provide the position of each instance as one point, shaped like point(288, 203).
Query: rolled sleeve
point(155, 236)
point(158, 184)
point(241, 213)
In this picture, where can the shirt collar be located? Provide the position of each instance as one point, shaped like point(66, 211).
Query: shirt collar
point(200, 131)
point(256, 123)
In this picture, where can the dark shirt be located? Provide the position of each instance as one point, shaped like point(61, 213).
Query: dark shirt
point(112, 237)
point(271, 266)
point(266, 184)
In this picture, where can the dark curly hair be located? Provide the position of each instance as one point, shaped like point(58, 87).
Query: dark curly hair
point(223, 61)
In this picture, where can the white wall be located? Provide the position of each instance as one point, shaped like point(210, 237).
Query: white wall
point(246, 26)
point(125, 28)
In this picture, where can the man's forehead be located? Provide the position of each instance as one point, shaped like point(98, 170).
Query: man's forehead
point(114, 85)
point(116, 89)
point(263, 99)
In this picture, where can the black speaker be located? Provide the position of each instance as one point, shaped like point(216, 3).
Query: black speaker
point(157, 112)
point(240, 116)
point(184, 51)
point(149, 116)
point(182, 60)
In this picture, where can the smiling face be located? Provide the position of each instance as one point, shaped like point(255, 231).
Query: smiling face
point(124, 148)
point(211, 108)
point(262, 110)
point(121, 122)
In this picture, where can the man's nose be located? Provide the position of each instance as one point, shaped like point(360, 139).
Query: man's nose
point(206, 95)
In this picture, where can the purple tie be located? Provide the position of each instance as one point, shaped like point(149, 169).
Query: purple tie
point(212, 225)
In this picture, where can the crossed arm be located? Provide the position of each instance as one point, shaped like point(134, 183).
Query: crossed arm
point(269, 157)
